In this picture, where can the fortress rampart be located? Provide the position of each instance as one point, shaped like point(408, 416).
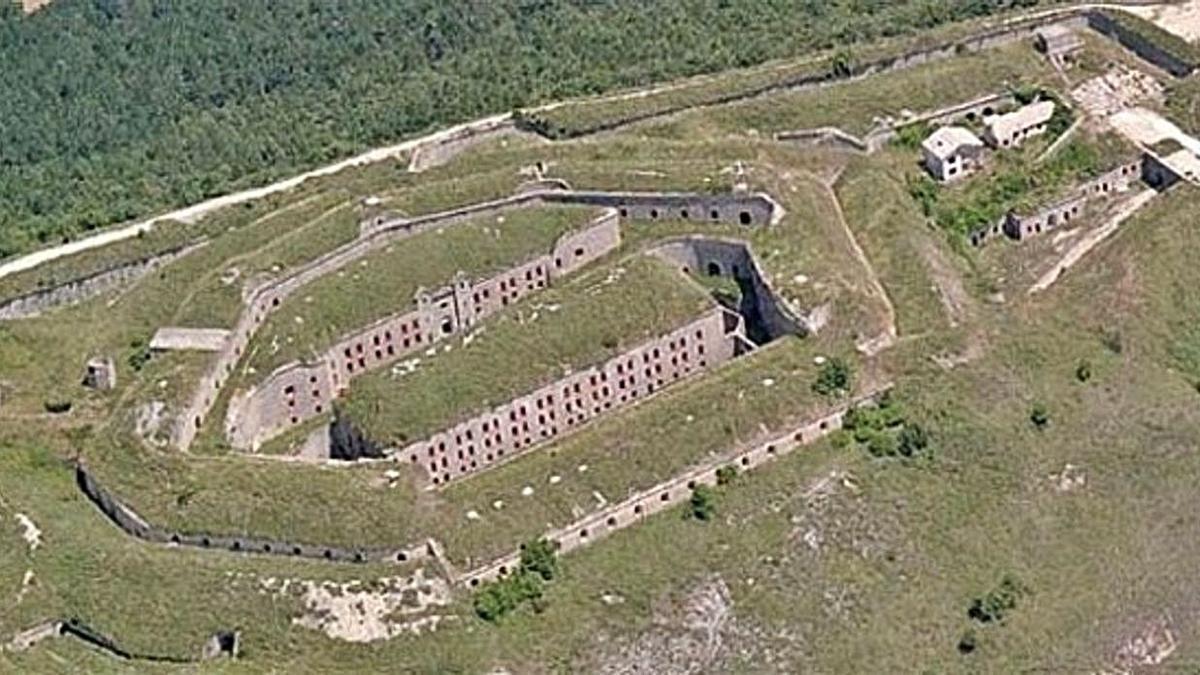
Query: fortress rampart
point(673, 492)
point(732, 208)
point(301, 391)
point(766, 316)
point(514, 428)
point(133, 524)
point(77, 290)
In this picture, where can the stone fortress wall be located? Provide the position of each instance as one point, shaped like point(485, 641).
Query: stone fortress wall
point(580, 533)
point(516, 427)
point(77, 290)
point(767, 317)
point(744, 209)
point(673, 492)
point(300, 391)
point(133, 524)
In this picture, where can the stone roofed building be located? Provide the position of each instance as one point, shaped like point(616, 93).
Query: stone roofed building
point(951, 152)
point(1058, 42)
point(1011, 129)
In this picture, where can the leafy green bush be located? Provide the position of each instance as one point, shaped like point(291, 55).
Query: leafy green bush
point(968, 642)
point(538, 564)
point(504, 596)
point(726, 475)
point(541, 558)
point(703, 503)
point(1083, 372)
point(1039, 415)
point(994, 606)
point(924, 191)
point(910, 136)
point(57, 406)
point(834, 378)
point(912, 440)
point(139, 355)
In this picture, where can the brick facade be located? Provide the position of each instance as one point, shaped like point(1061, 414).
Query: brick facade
point(512, 429)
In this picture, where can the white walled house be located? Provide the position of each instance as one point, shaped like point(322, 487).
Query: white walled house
point(951, 153)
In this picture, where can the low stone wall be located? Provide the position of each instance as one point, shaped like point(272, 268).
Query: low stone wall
point(301, 391)
point(78, 290)
point(441, 151)
point(132, 524)
point(671, 493)
point(514, 428)
point(825, 137)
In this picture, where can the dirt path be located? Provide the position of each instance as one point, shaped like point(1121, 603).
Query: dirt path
point(1092, 239)
point(876, 289)
point(191, 213)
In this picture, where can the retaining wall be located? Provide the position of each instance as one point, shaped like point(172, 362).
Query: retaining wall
point(77, 290)
point(825, 136)
point(514, 428)
point(264, 299)
point(670, 493)
point(767, 317)
point(1140, 45)
point(131, 523)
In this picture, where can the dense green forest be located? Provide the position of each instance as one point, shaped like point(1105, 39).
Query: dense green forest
point(115, 109)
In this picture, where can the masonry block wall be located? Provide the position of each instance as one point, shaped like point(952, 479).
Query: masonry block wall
point(748, 209)
point(299, 392)
point(265, 299)
point(671, 493)
point(77, 290)
point(133, 524)
point(1119, 179)
point(712, 256)
point(1019, 226)
point(514, 428)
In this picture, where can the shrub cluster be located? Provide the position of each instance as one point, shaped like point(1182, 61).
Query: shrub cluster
point(834, 378)
point(539, 564)
point(884, 431)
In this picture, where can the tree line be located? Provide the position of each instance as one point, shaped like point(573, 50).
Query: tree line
point(118, 109)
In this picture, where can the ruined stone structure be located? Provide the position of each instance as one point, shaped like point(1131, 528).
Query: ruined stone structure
point(1011, 129)
point(300, 391)
point(765, 315)
point(100, 373)
point(1019, 226)
point(1016, 225)
point(514, 428)
point(673, 492)
point(950, 153)
point(746, 209)
point(1059, 43)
